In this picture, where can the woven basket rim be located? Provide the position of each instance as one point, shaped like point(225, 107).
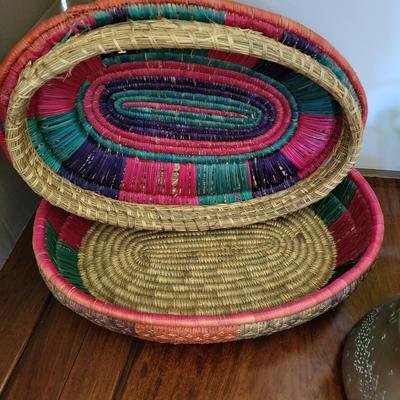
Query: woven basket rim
point(59, 191)
point(265, 16)
point(61, 285)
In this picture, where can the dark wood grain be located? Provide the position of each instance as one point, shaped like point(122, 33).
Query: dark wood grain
point(46, 363)
point(23, 297)
point(297, 364)
point(68, 358)
point(99, 365)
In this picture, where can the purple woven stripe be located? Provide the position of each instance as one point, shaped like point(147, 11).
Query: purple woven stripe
point(169, 130)
point(119, 15)
point(93, 168)
point(272, 173)
point(293, 40)
point(274, 71)
point(82, 183)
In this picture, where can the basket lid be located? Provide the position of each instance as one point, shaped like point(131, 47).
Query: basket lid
point(216, 285)
point(181, 125)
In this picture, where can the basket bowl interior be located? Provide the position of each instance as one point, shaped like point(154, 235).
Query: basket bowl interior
point(351, 214)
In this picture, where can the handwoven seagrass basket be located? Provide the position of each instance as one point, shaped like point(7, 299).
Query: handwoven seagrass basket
point(179, 116)
point(194, 161)
point(212, 286)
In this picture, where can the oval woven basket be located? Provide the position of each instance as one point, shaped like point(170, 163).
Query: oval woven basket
point(215, 286)
point(182, 124)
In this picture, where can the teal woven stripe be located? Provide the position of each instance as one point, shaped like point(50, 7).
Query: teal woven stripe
point(181, 55)
point(196, 13)
point(61, 133)
point(345, 191)
point(154, 54)
point(311, 98)
point(41, 146)
point(155, 11)
point(51, 242)
point(331, 208)
point(183, 117)
point(64, 257)
point(340, 74)
point(67, 265)
point(222, 183)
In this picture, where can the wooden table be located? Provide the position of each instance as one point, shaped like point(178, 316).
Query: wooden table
point(48, 352)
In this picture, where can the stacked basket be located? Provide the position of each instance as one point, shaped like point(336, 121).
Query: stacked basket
point(195, 159)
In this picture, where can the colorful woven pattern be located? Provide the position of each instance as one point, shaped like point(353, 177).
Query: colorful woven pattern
point(119, 138)
point(177, 127)
point(226, 289)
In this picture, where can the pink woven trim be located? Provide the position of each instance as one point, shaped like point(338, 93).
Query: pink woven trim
point(191, 335)
point(142, 184)
point(312, 142)
point(59, 95)
point(74, 230)
point(50, 272)
point(36, 43)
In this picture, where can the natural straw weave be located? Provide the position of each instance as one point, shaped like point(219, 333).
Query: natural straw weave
point(64, 243)
point(208, 273)
point(177, 34)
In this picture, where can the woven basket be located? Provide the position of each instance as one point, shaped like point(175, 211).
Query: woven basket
point(213, 126)
point(214, 286)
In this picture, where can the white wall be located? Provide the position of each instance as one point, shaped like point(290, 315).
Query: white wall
point(367, 33)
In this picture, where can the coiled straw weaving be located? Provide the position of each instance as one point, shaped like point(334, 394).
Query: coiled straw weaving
point(232, 270)
point(119, 139)
point(194, 162)
point(212, 286)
